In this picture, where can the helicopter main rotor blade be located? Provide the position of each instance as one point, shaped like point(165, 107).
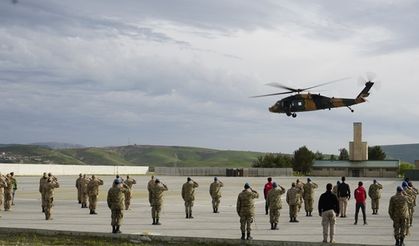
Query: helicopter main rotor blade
point(273, 94)
point(282, 87)
point(325, 83)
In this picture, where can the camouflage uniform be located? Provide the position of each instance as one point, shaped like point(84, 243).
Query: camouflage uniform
point(188, 195)
point(246, 210)
point(215, 193)
point(14, 184)
point(275, 204)
point(84, 191)
point(374, 192)
point(309, 197)
point(411, 194)
point(293, 200)
point(129, 182)
point(93, 192)
point(300, 185)
point(42, 182)
point(8, 192)
point(2, 185)
point(399, 212)
point(149, 186)
point(49, 187)
point(157, 201)
point(116, 203)
point(78, 186)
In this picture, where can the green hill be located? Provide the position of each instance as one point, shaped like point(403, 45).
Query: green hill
point(129, 155)
point(405, 152)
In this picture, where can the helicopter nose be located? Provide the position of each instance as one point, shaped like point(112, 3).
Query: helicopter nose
point(271, 109)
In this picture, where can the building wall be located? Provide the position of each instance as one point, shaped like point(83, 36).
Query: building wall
point(363, 172)
point(57, 169)
point(219, 171)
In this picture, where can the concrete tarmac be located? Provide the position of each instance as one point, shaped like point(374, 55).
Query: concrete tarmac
point(67, 214)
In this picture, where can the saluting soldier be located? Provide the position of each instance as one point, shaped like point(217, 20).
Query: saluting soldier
point(275, 204)
point(150, 184)
point(116, 203)
point(309, 196)
point(42, 182)
point(215, 193)
point(49, 187)
point(129, 182)
point(188, 195)
point(246, 210)
point(410, 193)
point(293, 200)
point(300, 185)
point(93, 191)
point(78, 187)
point(398, 210)
point(84, 191)
point(374, 192)
point(157, 200)
point(8, 189)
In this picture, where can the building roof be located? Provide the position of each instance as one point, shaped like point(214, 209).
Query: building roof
point(358, 164)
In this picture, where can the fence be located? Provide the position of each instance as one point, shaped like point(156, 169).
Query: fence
point(57, 169)
point(221, 171)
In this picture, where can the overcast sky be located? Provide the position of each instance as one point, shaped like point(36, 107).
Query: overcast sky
point(180, 72)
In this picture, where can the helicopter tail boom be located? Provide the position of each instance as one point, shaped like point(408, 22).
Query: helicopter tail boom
point(365, 92)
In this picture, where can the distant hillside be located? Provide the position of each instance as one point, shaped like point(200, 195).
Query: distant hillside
point(56, 145)
point(129, 155)
point(404, 152)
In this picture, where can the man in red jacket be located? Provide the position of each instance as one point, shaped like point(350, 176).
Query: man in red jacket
point(360, 196)
point(266, 189)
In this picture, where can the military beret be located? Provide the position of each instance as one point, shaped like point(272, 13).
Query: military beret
point(117, 181)
point(399, 189)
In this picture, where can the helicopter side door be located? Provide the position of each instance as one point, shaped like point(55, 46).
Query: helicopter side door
point(297, 105)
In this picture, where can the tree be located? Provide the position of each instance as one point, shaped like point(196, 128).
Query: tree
point(272, 160)
point(318, 155)
point(376, 153)
point(303, 160)
point(344, 154)
point(332, 157)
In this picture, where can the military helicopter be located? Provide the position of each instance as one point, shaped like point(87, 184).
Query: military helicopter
point(301, 102)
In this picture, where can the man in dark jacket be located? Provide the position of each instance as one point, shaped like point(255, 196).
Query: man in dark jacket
point(360, 196)
point(328, 208)
point(344, 194)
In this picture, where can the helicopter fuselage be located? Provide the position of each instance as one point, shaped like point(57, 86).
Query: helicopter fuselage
point(310, 102)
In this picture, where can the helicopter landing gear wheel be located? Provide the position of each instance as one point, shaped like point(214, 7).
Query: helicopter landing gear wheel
point(288, 113)
point(294, 115)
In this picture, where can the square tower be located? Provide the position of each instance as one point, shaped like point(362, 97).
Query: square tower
point(358, 150)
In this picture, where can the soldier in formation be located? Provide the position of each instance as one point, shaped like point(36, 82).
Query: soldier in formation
point(14, 183)
point(309, 196)
point(215, 193)
point(157, 200)
point(49, 187)
point(116, 203)
point(42, 182)
point(129, 182)
point(374, 192)
point(8, 192)
point(344, 194)
point(188, 195)
point(293, 200)
point(328, 209)
point(2, 186)
point(398, 210)
point(411, 195)
point(300, 185)
point(93, 192)
point(275, 204)
point(266, 189)
point(150, 184)
point(84, 191)
point(246, 210)
point(78, 187)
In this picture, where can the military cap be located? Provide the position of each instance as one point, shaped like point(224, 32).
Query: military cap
point(274, 185)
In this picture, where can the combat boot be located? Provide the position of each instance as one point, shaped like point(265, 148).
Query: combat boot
point(276, 226)
point(117, 229)
point(397, 242)
point(154, 221)
point(91, 211)
point(272, 226)
point(94, 211)
point(242, 238)
point(157, 222)
point(190, 215)
point(309, 214)
point(306, 214)
point(249, 237)
point(401, 243)
point(113, 229)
